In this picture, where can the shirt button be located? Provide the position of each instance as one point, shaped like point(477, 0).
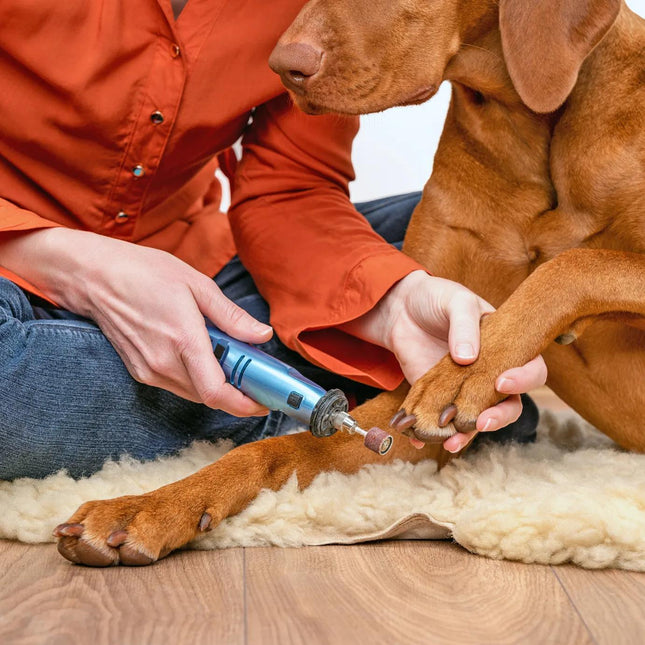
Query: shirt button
point(121, 217)
point(138, 170)
point(157, 117)
point(175, 50)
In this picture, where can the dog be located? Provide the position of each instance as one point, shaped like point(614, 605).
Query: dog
point(536, 203)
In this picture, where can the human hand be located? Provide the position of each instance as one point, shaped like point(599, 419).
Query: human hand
point(420, 319)
point(151, 307)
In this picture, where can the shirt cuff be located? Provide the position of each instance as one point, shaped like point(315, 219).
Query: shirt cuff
point(337, 351)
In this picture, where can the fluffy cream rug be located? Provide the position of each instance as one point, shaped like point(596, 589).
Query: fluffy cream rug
point(570, 497)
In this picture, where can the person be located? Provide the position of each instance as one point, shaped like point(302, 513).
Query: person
point(113, 121)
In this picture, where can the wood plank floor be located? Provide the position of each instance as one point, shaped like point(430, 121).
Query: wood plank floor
point(382, 593)
point(389, 593)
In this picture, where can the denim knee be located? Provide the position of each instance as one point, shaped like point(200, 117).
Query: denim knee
point(13, 302)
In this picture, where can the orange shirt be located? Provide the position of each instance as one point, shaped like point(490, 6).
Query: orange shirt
point(112, 116)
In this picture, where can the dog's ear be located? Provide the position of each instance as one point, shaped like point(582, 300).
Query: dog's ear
point(546, 41)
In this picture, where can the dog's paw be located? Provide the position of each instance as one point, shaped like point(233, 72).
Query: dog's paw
point(131, 530)
point(447, 399)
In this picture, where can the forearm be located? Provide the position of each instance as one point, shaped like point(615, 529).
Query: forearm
point(57, 261)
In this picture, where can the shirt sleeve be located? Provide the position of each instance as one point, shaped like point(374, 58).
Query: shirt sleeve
point(314, 258)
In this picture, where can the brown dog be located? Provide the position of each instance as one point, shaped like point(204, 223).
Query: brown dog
point(536, 203)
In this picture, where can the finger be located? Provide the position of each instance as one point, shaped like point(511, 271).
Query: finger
point(500, 415)
point(140, 370)
point(208, 380)
point(522, 379)
point(227, 399)
point(226, 315)
point(417, 443)
point(234, 402)
point(465, 311)
point(459, 441)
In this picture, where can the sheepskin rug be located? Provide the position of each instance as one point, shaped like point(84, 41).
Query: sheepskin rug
point(570, 497)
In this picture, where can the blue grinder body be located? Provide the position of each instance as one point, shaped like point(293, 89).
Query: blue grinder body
point(266, 379)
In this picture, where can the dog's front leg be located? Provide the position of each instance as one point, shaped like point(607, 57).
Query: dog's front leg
point(557, 302)
point(139, 530)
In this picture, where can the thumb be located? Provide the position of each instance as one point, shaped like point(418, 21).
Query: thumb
point(226, 315)
point(464, 312)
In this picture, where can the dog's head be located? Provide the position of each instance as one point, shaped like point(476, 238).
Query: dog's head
point(359, 56)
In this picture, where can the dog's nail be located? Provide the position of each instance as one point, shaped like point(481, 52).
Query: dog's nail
point(68, 530)
point(205, 522)
point(396, 418)
point(117, 538)
point(405, 422)
point(447, 415)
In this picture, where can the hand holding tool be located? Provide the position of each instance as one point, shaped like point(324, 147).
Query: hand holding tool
point(278, 386)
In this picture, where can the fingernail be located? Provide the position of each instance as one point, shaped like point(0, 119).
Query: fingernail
point(488, 427)
point(454, 450)
point(504, 384)
point(465, 350)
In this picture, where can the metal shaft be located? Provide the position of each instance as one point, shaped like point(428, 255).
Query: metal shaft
point(375, 439)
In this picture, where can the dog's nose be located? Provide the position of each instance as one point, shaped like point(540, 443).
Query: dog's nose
point(296, 63)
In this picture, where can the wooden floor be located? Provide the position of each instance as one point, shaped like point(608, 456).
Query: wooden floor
point(389, 592)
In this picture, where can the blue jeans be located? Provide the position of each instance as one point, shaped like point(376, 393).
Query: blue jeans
point(67, 401)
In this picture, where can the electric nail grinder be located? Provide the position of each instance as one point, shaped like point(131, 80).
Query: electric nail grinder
point(277, 386)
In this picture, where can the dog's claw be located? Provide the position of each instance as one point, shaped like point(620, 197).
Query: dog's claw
point(205, 522)
point(68, 530)
point(447, 415)
point(404, 422)
point(396, 418)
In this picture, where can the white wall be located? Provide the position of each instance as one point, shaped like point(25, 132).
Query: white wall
point(393, 151)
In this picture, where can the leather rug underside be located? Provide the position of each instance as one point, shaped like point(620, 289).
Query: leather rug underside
point(573, 496)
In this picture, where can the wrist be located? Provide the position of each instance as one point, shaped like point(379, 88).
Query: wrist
point(380, 325)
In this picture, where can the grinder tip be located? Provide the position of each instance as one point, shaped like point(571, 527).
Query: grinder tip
point(378, 440)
